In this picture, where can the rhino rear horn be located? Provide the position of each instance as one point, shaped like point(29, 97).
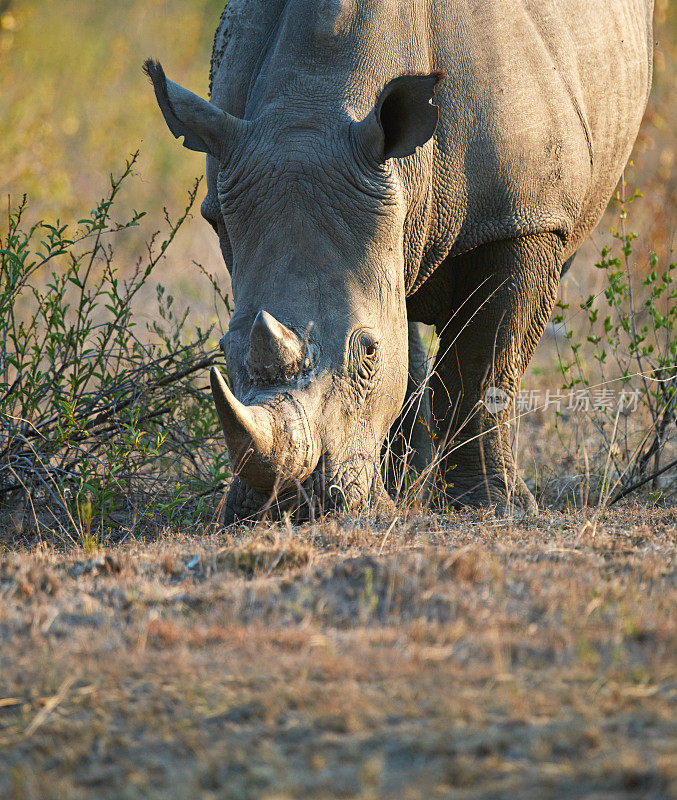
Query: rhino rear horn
point(204, 127)
point(275, 352)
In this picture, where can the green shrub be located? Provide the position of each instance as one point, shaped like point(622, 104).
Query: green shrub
point(103, 424)
point(626, 361)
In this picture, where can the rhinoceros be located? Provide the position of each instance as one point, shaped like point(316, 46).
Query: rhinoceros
point(374, 164)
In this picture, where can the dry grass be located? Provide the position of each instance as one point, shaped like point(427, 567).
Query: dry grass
point(458, 657)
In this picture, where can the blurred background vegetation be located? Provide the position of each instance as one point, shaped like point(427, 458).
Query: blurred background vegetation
point(75, 105)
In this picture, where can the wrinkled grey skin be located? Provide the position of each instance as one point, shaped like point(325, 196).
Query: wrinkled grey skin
point(347, 214)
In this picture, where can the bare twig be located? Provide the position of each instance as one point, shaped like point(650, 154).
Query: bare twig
point(641, 483)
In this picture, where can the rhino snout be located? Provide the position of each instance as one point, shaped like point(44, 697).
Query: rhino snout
point(271, 444)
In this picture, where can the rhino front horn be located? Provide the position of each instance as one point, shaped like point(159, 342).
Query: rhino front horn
point(275, 352)
point(269, 447)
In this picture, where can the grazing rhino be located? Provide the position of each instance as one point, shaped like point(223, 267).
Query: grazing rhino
point(376, 163)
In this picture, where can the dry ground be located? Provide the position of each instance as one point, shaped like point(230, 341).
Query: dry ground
point(434, 657)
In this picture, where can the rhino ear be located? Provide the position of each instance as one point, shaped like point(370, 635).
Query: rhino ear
point(403, 117)
point(204, 127)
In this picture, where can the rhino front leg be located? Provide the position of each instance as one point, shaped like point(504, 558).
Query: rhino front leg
point(502, 297)
point(409, 444)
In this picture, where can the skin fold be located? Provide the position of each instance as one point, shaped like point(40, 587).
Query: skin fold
point(374, 164)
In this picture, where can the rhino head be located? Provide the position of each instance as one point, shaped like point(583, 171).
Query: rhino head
point(310, 217)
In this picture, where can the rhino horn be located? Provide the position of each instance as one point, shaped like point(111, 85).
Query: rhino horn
point(269, 447)
point(275, 352)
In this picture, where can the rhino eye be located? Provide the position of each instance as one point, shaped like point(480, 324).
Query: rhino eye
point(364, 361)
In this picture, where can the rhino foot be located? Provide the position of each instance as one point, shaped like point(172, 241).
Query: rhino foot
point(506, 501)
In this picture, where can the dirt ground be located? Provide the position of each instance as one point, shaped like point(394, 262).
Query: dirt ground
point(431, 657)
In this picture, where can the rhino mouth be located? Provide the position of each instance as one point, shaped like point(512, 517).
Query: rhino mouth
point(326, 490)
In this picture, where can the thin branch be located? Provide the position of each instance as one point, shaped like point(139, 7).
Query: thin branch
point(638, 484)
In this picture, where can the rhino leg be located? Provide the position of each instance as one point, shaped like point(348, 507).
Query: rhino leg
point(409, 444)
point(502, 296)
